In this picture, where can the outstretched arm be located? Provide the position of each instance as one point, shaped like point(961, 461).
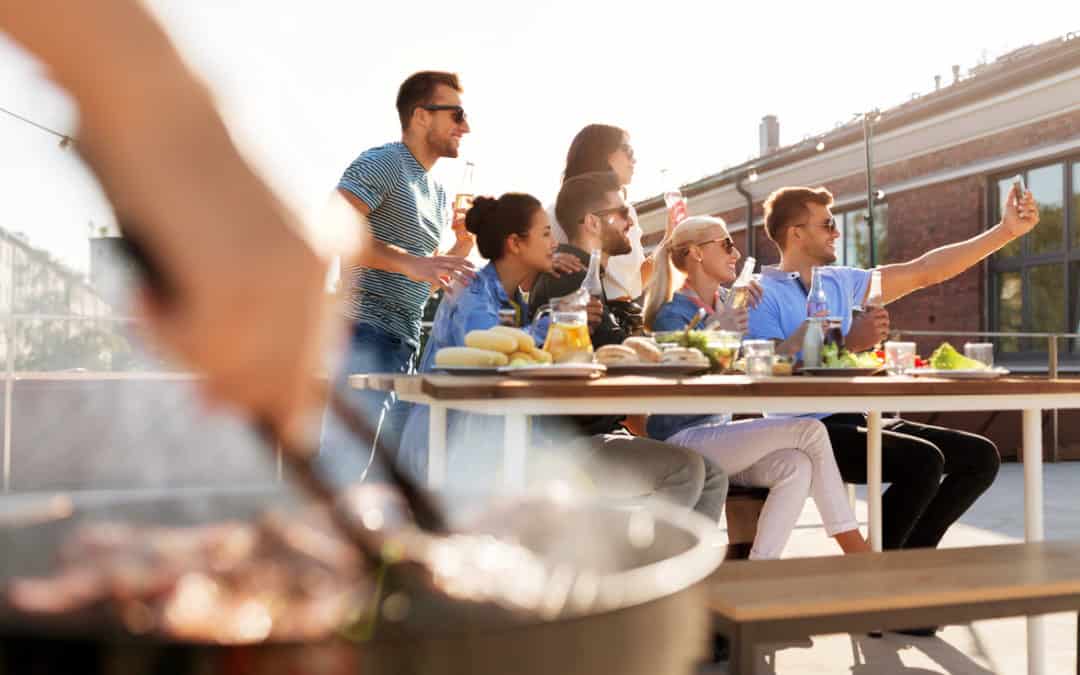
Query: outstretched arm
point(940, 264)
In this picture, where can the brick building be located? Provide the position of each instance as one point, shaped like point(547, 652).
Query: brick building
point(944, 160)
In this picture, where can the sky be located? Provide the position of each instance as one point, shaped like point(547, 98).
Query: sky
point(305, 87)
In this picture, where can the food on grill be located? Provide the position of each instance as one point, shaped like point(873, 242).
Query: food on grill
point(470, 356)
point(646, 349)
point(612, 355)
point(231, 583)
point(492, 341)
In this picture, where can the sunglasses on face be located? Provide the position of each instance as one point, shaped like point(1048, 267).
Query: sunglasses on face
point(625, 147)
point(830, 225)
point(459, 112)
point(727, 243)
point(622, 211)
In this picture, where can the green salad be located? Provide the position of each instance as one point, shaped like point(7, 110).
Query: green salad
point(832, 356)
point(945, 357)
point(720, 358)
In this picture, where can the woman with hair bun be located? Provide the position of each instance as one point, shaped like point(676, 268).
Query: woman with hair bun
point(513, 232)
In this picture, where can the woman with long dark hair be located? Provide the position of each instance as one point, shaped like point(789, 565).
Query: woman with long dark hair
point(602, 147)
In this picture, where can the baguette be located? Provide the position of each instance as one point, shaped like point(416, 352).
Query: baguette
point(470, 356)
point(491, 341)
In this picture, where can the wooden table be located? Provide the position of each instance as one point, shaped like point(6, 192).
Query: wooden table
point(516, 399)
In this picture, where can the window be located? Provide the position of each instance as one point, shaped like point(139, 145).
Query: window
point(1036, 279)
point(853, 246)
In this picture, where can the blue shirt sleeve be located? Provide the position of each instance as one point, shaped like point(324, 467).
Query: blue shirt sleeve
point(371, 176)
point(476, 311)
point(856, 282)
point(764, 320)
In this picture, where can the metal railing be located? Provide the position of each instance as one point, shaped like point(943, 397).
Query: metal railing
point(1052, 361)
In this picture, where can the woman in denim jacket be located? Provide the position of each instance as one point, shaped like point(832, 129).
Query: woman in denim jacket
point(514, 233)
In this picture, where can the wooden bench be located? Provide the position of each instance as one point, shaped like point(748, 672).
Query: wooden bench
point(757, 602)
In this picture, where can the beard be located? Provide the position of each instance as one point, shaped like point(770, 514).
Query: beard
point(444, 147)
point(617, 243)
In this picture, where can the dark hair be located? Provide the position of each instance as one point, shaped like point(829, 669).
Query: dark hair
point(582, 195)
point(786, 205)
point(590, 149)
point(493, 220)
point(418, 89)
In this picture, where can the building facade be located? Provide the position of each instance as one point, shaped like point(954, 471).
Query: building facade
point(944, 161)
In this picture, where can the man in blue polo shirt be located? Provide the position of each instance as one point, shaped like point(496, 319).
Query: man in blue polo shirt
point(918, 506)
point(391, 186)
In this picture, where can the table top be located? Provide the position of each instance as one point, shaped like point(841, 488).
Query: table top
point(711, 394)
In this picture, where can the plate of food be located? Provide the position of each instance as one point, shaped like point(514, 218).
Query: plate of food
point(839, 372)
point(962, 373)
point(721, 348)
point(577, 371)
point(642, 356)
point(487, 351)
point(949, 363)
point(839, 362)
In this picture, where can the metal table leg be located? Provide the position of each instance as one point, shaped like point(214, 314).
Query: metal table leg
point(1033, 526)
point(873, 476)
point(515, 446)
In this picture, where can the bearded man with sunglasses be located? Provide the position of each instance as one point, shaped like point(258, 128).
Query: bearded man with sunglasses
point(392, 188)
point(935, 474)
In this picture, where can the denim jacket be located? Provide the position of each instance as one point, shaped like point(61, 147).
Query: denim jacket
point(675, 315)
point(463, 309)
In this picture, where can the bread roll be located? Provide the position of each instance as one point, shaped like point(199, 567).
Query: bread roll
point(685, 356)
point(540, 356)
point(646, 349)
point(470, 356)
point(491, 341)
point(525, 342)
point(615, 355)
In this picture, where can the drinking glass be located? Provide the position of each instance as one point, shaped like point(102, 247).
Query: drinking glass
point(759, 357)
point(980, 351)
point(899, 357)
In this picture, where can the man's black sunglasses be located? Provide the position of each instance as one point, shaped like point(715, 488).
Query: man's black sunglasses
point(623, 211)
point(459, 112)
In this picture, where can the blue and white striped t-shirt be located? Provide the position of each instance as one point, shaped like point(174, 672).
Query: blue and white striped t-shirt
point(408, 209)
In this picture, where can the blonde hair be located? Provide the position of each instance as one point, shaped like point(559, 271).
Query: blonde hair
point(671, 256)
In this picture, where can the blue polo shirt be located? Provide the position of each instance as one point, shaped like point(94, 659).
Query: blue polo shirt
point(783, 306)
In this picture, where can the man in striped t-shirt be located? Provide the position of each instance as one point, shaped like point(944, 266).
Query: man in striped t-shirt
point(406, 212)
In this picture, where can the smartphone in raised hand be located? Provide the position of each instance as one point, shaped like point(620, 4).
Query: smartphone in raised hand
point(1020, 187)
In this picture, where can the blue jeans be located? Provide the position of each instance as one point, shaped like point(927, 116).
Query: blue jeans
point(371, 350)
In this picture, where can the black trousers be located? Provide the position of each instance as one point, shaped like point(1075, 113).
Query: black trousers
point(919, 506)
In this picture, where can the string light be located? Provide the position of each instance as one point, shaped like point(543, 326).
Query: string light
point(65, 140)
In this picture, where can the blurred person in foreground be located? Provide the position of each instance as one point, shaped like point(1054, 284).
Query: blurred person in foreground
point(150, 132)
point(514, 233)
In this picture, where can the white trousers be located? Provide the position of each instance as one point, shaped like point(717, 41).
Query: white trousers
point(792, 457)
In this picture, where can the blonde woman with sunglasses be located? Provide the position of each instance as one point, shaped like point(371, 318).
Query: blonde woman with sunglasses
point(791, 456)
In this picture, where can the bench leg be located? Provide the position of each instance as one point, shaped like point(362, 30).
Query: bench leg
point(742, 652)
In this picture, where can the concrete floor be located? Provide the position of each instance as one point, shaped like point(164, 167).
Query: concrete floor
point(984, 647)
